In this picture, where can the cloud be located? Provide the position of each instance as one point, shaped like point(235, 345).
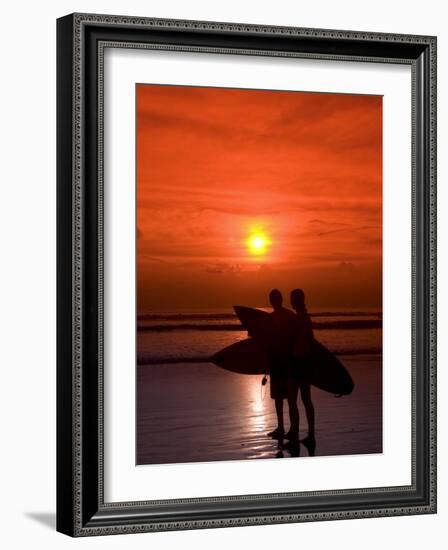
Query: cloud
point(317, 121)
point(152, 120)
point(222, 267)
point(347, 229)
point(327, 223)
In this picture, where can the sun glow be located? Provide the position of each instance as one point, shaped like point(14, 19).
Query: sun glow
point(257, 243)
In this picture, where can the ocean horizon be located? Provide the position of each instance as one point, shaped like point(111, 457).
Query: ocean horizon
point(193, 336)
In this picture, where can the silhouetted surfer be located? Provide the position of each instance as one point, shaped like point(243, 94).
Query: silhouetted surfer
point(279, 344)
point(301, 351)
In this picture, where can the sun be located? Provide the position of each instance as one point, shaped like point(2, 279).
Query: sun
point(257, 244)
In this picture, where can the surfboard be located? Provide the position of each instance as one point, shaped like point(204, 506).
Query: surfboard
point(326, 370)
point(243, 357)
point(255, 321)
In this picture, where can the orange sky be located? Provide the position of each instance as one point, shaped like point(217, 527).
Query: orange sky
point(215, 166)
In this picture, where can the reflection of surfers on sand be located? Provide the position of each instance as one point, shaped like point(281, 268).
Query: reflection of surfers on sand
point(198, 413)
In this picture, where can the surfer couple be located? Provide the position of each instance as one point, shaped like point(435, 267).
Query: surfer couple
point(289, 348)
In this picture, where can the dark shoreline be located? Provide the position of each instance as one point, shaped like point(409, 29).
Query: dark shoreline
point(148, 360)
point(232, 316)
point(330, 325)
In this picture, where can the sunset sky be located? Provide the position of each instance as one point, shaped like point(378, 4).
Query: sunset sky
point(240, 191)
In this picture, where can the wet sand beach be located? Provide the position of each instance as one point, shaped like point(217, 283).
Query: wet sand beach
point(200, 413)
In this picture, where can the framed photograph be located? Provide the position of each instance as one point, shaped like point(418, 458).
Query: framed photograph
point(246, 274)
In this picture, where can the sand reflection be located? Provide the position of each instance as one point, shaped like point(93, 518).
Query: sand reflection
point(259, 403)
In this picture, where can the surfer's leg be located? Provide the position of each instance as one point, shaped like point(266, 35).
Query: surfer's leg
point(277, 394)
point(279, 431)
point(305, 393)
point(279, 411)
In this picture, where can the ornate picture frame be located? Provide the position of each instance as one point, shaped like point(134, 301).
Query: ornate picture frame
point(81, 506)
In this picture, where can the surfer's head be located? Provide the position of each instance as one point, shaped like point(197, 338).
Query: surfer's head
point(275, 298)
point(298, 299)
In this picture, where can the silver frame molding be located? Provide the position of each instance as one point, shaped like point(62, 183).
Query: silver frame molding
point(81, 509)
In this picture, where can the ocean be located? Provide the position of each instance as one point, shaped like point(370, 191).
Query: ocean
point(169, 337)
